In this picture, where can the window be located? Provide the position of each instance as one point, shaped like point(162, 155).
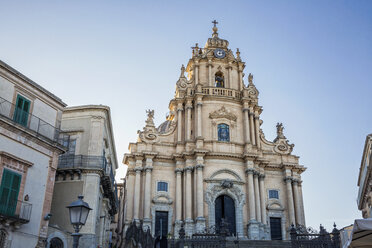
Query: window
point(219, 80)
point(21, 110)
point(273, 194)
point(223, 132)
point(72, 147)
point(9, 189)
point(163, 186)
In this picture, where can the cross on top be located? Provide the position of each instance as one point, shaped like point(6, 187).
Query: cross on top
point(215, 23)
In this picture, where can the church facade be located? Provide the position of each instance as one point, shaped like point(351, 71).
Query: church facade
point(210, 160)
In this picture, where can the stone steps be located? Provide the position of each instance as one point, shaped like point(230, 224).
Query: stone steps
point(259, 244)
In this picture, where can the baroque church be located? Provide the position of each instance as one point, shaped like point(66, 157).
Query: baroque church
point(209, 160)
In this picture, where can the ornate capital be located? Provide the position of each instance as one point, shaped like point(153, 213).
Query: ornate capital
point(262, 176)
point(138, 169)
point(250, 171)
point(288, 179)
point(188, 168)
point(178, 170)
point(148, 168)
point(199, 166)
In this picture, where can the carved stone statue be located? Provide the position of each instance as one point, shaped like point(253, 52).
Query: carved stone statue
point(279, 130)
point(250, 78)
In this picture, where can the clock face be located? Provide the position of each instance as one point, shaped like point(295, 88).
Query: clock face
point(219, 53)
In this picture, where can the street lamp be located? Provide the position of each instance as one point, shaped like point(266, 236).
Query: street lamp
point(79, 211)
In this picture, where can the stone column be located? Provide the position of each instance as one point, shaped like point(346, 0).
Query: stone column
point(179, 193)
point(147, 196)
point(196, 72)
point(200, 220)
point(263, 198)
point(230, 76)
point(291, 213)
point(251, 196)
point(257, 129)
point(297, 201)
point(137, 190)
point(210, 73)
point(179, 122)
point(178, 206)
point(188, 170)
point(251, 114)
point(188, 220)
point(246, 126)
point(188, 121)
point(199, 109)
point(130, 194)
point(301, 202)
point(240, 86)
point(257, 197)
point(253, 225)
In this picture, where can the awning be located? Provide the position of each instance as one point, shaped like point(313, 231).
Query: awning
point(361, 236)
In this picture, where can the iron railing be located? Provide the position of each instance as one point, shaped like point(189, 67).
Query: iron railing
point(71, 161)
point(16, 209)
point(33, 123)
point(311, 239)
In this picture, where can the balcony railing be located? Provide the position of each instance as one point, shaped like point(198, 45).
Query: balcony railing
point(17, 210)
point(216, 91)
point(33, 123)
point(68, 161)
point(72, 162)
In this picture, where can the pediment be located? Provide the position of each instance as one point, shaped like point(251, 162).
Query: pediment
point(275, 205)
point(162, 198)
point(225, 174)
point(222, 113)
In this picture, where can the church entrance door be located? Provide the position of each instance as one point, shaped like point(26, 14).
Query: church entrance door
point(225, 208)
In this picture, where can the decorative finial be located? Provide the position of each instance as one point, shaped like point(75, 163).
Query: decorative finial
point(238, 54)
point(215, 29)
point(250, 78)
point(215, 23)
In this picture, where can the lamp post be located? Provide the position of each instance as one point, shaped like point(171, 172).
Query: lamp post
point(79, 211)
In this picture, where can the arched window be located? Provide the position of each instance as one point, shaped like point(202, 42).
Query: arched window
point(56, 243)
point(219, 80)
point(223, 132)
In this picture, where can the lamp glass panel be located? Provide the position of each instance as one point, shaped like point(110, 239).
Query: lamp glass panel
point(84, 215)
point(75, 215)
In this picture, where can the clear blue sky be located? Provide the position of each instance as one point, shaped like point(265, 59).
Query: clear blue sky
point(311, 60)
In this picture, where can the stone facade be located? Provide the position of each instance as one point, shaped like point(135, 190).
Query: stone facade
point(88, 169)
point(30, 143)
point(211, 145)
point(365, 180)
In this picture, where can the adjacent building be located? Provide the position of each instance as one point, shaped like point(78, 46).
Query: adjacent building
point(30, 143)
point(88, 169)
point(364, 199)
point(210, 159)
point(119, 225)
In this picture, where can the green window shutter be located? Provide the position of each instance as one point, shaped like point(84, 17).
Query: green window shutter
point(9, 190)
point(21, 110)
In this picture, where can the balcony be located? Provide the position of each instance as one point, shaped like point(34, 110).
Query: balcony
point(15, 213)
point(34, 124)
point(223, 92)
point(71, 164)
